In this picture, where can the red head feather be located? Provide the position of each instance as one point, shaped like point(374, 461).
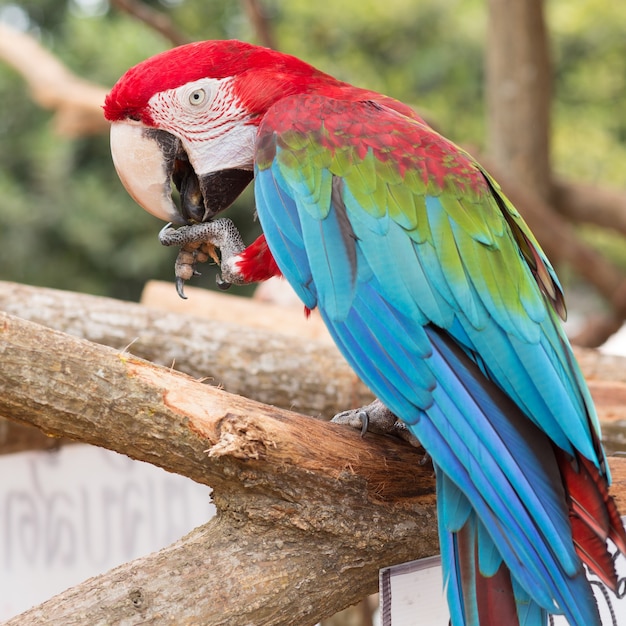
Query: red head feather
point(212, 59)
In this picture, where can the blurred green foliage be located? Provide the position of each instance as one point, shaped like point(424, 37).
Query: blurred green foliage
point(65, 219)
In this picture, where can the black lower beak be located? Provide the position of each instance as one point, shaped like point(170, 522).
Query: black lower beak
point(220, 189)
point(203, 198)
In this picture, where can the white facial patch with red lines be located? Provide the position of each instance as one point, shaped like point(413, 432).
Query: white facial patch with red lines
point(213, 127)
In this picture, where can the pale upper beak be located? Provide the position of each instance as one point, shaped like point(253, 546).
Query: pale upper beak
point(148, 161)
point(145, 173)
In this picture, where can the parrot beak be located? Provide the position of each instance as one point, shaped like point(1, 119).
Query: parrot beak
point(148, 161)
point(141, 161)
point(220, 189)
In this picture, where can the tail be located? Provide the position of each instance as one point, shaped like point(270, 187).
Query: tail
point(593, 515)
point(480, 588)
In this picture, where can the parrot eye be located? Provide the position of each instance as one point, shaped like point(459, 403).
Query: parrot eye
point(197, 97)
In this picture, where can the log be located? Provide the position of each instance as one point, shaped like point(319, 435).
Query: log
point(308, 511)
point(277, 358)
point(273, 362)
point(274, 308)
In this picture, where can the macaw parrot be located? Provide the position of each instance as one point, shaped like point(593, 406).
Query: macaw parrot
point(430, 283)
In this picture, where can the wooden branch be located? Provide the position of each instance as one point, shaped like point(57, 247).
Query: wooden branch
point(77, 103)
point(292, 371)
point(274, 308)
point(225, 573)
point(583, 203)
point(308, 511)
point(154, 19)
point(294, 368)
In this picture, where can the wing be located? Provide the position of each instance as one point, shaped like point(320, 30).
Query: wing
point(442, 301)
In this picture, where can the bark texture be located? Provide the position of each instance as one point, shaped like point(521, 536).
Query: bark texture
point(264, 352)
point(308, 511)
point(272, 354)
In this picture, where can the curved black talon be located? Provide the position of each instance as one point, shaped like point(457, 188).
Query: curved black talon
point(364, 418)
point(222, 284)
point(180, 284)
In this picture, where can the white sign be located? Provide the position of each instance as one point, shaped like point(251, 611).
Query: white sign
point(71, 514)
point(411, 594)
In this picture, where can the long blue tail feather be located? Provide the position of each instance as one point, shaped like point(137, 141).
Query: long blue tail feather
point(479, 588)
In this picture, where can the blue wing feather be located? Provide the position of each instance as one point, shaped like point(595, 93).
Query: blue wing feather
point(487, 384)
point(331, 262)
point(284, 226)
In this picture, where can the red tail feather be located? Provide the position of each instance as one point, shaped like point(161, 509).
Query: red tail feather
point(494, 596)
point(593, 514)
point(593, 552)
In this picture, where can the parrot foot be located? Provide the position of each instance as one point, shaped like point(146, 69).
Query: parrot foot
point(377, 418)
point(198, 243)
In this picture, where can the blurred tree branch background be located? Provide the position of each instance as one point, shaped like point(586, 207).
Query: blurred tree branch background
point(532, 88)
